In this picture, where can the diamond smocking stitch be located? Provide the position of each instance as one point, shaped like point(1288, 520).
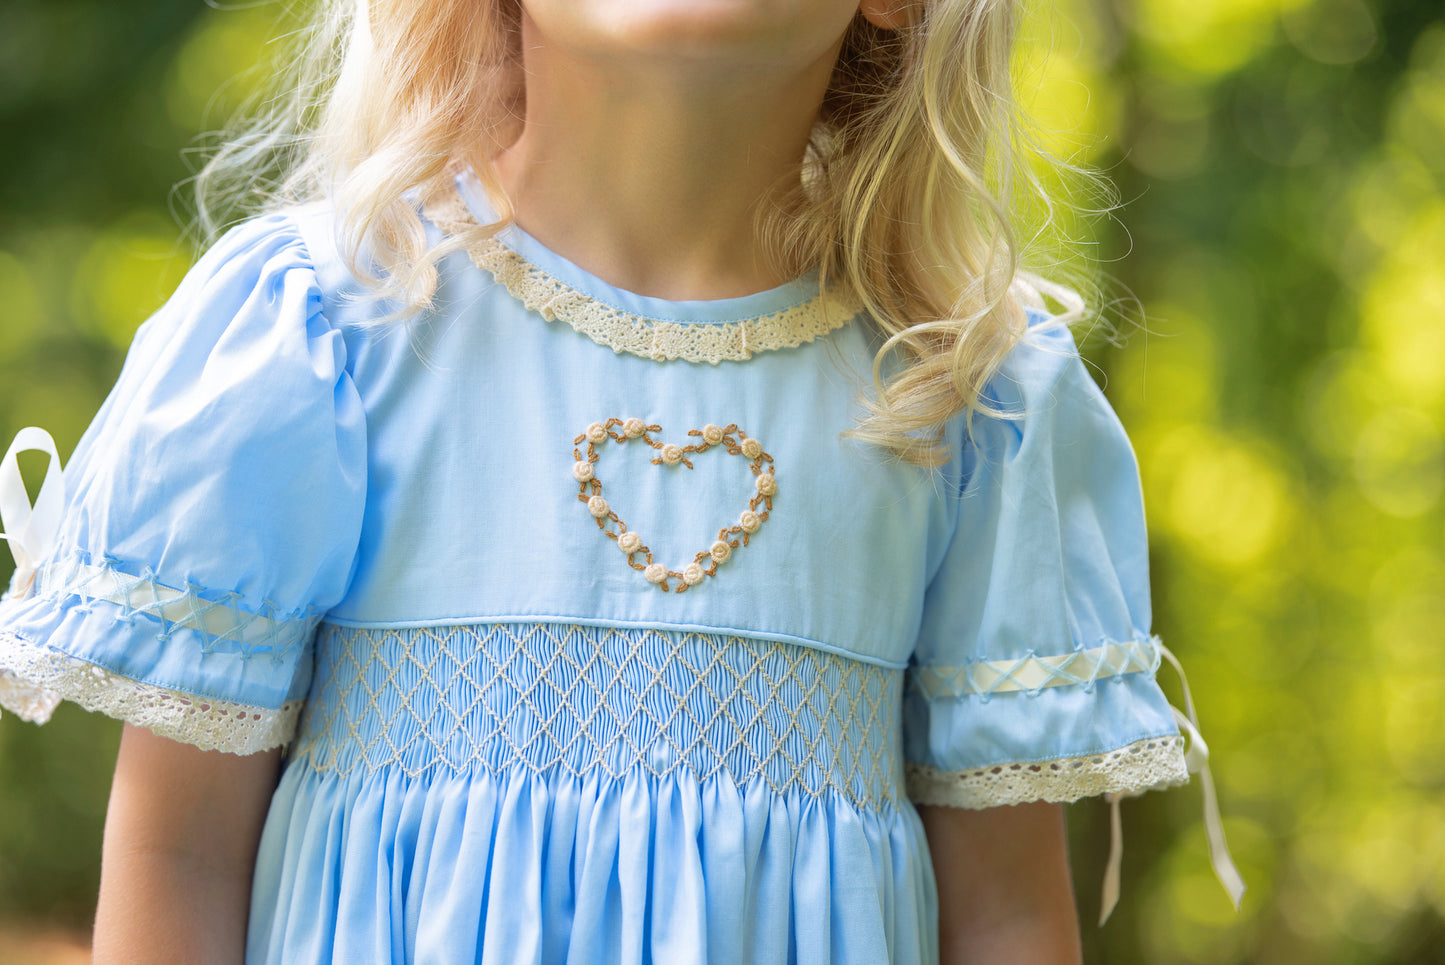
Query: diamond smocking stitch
point(729, 538)
point(580, 702)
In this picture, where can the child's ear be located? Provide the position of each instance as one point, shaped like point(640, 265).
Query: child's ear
point(888, 14)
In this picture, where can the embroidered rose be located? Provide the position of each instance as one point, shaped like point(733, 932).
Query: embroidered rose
point(585, 470)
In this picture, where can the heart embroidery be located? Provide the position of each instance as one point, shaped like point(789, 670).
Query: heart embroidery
point(729, 538)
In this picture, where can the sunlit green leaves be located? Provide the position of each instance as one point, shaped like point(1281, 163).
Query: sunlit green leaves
point(1285, 168)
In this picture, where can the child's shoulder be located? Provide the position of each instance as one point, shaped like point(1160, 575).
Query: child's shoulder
point(258, 272)
point(1044, 359)
point(248, 321)
point(314, 226)
point(1042, 370)
point(1043, 413)
point(264, 254)
point(297, 248)
point(342, 258)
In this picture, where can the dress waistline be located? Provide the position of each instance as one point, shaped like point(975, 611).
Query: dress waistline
point(584, 700)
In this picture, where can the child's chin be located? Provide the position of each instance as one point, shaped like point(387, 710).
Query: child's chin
point(689, 29)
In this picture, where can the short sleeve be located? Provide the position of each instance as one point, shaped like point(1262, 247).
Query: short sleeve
point(212, 513)
point(1033, 677)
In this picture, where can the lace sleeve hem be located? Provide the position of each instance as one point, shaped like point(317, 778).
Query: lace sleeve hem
point(1141, 766)
point(34, 679)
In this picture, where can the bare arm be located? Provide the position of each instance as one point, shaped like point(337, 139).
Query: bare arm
point(180, 845)
point(1004, 892)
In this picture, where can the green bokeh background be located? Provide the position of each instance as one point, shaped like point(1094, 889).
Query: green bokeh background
point(1282, 167)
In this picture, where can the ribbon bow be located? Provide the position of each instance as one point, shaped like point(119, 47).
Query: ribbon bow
point(31, 530)
point(1196, 759)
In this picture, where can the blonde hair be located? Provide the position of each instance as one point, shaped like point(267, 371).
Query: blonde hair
point(904, 198)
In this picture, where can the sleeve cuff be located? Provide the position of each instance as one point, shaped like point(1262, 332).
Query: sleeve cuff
point(1145, 765)
point(34, 678)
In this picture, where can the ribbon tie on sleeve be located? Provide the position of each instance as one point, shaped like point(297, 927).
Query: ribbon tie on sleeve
point(1196, 759)
point(31, 530)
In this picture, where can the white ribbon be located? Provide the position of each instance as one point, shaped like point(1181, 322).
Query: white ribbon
point(1196, 759)
point(1116, 858)
point(1032, 672)
point(31, 530)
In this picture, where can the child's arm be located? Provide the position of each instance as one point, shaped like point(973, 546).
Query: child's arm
point(180, 844)
point(1004, 892)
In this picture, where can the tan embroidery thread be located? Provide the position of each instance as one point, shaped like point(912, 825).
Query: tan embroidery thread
point(729, 538)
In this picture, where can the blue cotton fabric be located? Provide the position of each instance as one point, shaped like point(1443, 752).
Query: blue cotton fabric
point(230, 458)
point(505, 744)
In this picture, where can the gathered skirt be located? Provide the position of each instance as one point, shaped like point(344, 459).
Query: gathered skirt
point(536, 793)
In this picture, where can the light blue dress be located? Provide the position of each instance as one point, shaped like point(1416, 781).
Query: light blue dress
point(591, 636)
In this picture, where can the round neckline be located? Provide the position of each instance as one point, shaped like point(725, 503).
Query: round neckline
point(719, 311)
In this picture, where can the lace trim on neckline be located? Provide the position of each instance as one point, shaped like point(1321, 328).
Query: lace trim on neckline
point(626, 333)
point(1146, 765)
point(34, 679)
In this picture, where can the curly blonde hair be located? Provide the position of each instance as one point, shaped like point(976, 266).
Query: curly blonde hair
point(904, 198)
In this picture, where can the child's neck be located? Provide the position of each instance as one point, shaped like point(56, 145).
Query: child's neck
point(649, 175)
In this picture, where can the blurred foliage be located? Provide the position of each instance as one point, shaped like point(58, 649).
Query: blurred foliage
point(1282, 167)
point(1282, 164)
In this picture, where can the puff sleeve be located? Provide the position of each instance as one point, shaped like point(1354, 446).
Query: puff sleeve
point(211, 513)
point(1033, 674)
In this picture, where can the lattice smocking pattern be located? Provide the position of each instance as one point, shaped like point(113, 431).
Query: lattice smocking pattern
point(575, 700)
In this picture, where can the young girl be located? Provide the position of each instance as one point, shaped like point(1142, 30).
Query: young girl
point(625, 471)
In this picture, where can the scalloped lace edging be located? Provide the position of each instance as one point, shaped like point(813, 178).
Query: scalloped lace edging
point(631, 334)
point(1153, 763)
point(34, 679)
